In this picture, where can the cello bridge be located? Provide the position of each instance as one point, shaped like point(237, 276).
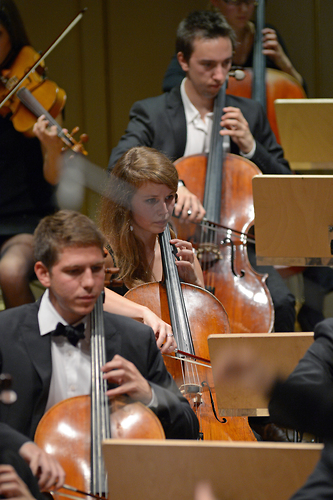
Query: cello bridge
point(190, 389)
point(208, 252)
point(193, 394)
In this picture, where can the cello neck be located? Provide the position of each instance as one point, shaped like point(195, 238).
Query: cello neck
point(259, 59)
point(214, 175)
point(100, 414)
point(178, 316)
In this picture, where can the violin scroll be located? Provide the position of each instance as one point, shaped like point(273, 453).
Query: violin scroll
point(76, 146)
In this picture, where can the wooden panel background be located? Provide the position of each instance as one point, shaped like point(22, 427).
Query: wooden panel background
point(118, 53)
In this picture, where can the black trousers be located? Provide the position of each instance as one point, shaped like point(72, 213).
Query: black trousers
point(283, 299)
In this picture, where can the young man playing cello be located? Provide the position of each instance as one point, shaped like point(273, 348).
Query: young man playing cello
point(49, 368)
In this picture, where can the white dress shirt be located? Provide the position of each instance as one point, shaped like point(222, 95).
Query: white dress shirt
point(71, 370)
point(71, 365)
point(199, 130)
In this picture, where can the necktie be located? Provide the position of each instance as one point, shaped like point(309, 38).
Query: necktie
point(73, 333)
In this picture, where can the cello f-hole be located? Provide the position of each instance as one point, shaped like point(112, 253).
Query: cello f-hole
point(228, 241)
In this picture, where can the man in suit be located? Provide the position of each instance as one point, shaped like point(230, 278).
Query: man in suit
point(179, 123)
point(49, 368)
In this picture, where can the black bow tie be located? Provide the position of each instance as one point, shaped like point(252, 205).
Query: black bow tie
point(73, 333)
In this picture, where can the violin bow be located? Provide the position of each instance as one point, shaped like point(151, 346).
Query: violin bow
point(62, 35)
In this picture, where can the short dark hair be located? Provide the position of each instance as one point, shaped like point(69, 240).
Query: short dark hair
point(202, 24)
point(65, 228)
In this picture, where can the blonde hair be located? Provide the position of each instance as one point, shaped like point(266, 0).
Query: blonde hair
point(136, 167)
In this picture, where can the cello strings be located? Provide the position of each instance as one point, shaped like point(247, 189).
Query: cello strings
point(187, 360)
point(100, 421)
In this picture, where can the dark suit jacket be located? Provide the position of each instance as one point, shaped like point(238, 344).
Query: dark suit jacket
point(305, 402)
point(159, 122)
point(27, 357)
point(10, 439)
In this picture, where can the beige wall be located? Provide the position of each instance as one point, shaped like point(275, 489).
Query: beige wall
point(120, 49)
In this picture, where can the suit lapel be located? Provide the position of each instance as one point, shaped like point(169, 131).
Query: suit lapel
point(176, 116)
point(112, 340)
point(38, 347)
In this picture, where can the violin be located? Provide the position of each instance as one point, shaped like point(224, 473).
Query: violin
point(73, 430)
point(262, 84)
point(224, 184)
point(35, 97)
point(186, 306)
point(30, 94)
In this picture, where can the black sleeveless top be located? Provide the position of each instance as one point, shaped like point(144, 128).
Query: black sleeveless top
point(25, 196)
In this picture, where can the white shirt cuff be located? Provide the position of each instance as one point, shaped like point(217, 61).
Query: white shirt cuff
point(251, 153)
point(153, 402)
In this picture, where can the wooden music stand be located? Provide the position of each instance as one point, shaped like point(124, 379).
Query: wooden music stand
point(305, 128)
point(280, 350)
point(150, 469)
point(293, 219)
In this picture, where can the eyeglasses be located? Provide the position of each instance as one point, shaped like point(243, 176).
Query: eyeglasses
point(239, 2)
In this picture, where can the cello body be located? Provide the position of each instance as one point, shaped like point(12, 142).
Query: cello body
point(73, 429)
point(65, 429)
point(206, 315)
point(246, 298)
point(279, 85)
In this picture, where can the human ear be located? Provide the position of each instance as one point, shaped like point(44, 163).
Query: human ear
point(42, 274)
point(182, 62)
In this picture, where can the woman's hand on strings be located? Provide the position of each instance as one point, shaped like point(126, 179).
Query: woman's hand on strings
point(48, 135)
point(188, 266)
point(163, 332)
point(52, 147)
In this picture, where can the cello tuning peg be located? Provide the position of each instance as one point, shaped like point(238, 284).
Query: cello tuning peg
point(238, 74)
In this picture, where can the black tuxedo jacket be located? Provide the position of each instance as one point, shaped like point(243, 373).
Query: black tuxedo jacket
point(27, 357)
point(305, 402)
point(11, 439)
point(159, 122)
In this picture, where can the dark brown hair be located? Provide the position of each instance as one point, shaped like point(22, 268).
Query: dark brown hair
point(65, 228)
point(202, 24)
point(10, 19)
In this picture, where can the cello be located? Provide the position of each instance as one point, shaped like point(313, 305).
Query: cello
point(73, 429)
point(185, 306)
point(262, 84)
point(225, 186)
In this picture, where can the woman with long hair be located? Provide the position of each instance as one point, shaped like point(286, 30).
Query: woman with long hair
point(136, 208)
